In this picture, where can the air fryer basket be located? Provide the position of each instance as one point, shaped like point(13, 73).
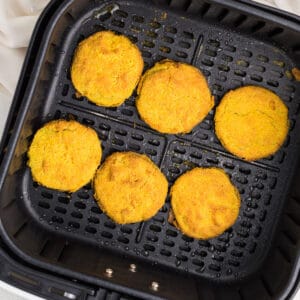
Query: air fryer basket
point(234, 44)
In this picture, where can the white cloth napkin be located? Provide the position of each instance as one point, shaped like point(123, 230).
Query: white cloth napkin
point(17, 20)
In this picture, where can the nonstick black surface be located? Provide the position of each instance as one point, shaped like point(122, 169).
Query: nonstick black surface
point(229, 60)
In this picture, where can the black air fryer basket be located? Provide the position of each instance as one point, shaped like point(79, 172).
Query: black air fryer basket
point(66, 238)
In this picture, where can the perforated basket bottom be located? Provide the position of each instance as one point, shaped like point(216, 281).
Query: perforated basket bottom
point(228, 60)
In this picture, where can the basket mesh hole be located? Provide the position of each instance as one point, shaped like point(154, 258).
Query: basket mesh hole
point(90, 229)
point(64, 200)
point(176, 160)
point(252, 247)
point(217, 87)
point(155, 25)
point(233, 263)
point(243, 63)
point(164, 49)
point(135, 29)
point(214, 267)
point(184, 45)
point(245, 171)
point(204, 243)
point(224, 68)
point(230, 48)
point(125, 229)
point(134, 147)
point(181, 257)
point(77, 215)
point(60, 210)
point(80, 205)
point(150, 152)
point(106, 234)
point(181, 54)
point(123, 240)
point(155, 228)
point(258, 26)
point(65, 90)
point(279, 63)
point(152, 238)
point(98, 27)
point(159, 219)
point(217, 258)
point(256, 78)
point(148, 247)
point(213, 161)
point(240, 20)
point(46, 195)
point(110, 224)
point(201, 253)
point(227, 58)
point(240, 73)
point(210, 52)
point(198, 262)
point(93, 220)
point(185, 248)
point(117, 142)
point(121, 132)
point(277, 74)
point(104, 127)
point(148, 44)
point(171, 233)
point(58, 220)
point(83, 195)
point(104, 17)
point(118, 23)
point(207, 62)
point(174, 170)
point(167, 39)
point(88, 122)
point(151, 34)
point(170, 29)
point(228, 165)
point(165, 252)
point(121, 13)
point(275, 31)
point(44, 204)
point(205, 8)
point(168, 243)
point(273, 83)
point(146, 54)
point(74, 225)
point(214, 43)
point(138, 19)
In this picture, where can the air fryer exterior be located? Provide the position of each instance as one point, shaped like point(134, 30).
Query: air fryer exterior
point(277, 279)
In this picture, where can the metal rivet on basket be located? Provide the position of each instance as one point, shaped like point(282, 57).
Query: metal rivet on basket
point(132, 268)
point(109, 272)
point(154, 286)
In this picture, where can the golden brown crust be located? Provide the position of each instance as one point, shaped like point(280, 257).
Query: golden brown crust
point(173, 97)
point(251, 122)
point(64, 155)
point(204, 202)
point(106, 68)
point(129, 187)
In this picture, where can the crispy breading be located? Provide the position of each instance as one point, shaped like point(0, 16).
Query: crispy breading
point(251, 122)
point(173, 97)
point(129, 187)
point(106, 68)
point(204, 202)
point(64, 155)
